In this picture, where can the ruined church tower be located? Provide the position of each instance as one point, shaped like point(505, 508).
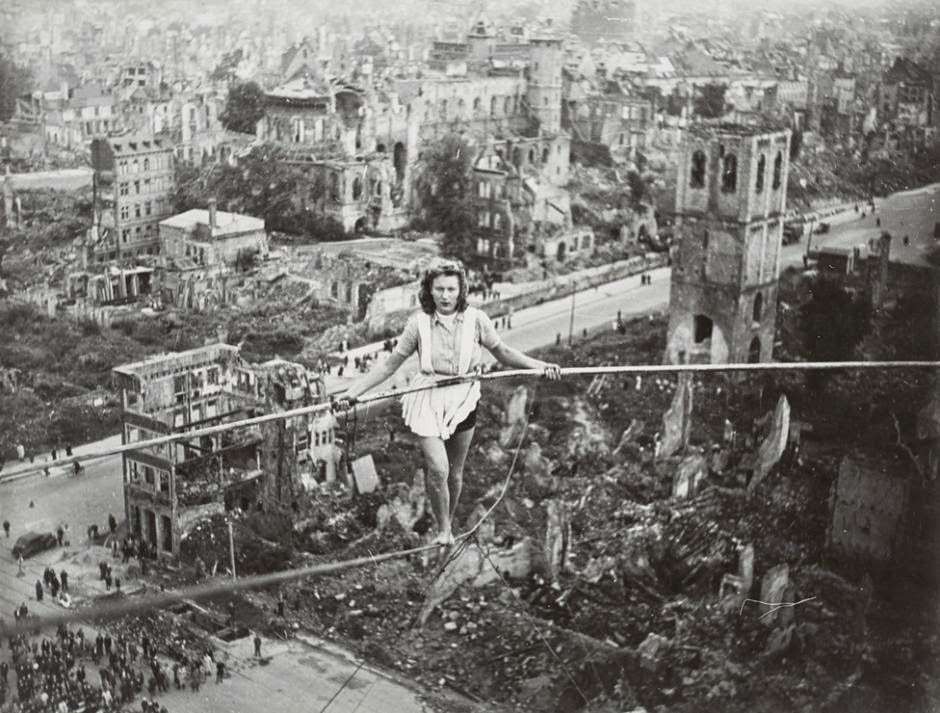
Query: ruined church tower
point(730, 204)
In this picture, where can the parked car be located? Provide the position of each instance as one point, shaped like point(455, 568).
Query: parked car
point(32, 543)
point(822, 228)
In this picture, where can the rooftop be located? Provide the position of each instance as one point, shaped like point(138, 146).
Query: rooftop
point(225, 223)
point(136, 143)
point(177, 360)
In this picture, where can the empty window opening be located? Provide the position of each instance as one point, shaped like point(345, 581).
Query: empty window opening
point(761, 166)
point(758, 307)
point(697, 175)
point(729, 175)
point(778, 170)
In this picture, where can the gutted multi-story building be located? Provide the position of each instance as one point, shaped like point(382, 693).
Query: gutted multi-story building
point(906, 94)
point(730, 204)
point(359, 145)
point(135, 181)
point(168, 488)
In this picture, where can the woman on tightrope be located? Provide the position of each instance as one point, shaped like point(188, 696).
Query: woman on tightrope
point(447, 334)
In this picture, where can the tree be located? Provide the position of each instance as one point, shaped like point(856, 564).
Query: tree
point(445, 191)
point(225, 71)
point(674, 103)
point(244, 107)
point(833, 323)
point(710, 101)
point(14, 82)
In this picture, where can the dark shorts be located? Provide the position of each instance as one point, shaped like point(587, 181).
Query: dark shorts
point(469, 422)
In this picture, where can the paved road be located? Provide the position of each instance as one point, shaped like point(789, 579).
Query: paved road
point(65, 179)
point(912, 213)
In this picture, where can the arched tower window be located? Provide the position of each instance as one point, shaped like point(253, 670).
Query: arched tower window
point(778, 170)
point(761, 166)
point(697, 174)
point(492, 106)
point(357, 188)
point(729, 174)
point(758, 307)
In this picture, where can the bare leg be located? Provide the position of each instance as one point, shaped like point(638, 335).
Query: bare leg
point(435, 458)
point(457, 447)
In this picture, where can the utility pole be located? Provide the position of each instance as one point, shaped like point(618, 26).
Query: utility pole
point(231, 549)
point(571, 321)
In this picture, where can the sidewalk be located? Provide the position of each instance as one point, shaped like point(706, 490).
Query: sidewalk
point(23, 468)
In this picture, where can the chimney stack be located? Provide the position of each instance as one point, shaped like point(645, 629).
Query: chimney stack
point(212, 217)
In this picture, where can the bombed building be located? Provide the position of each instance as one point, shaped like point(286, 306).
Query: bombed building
point(730, 206)
point(169, 487)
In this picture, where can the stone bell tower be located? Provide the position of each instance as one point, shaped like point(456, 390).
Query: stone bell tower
point(731, 195)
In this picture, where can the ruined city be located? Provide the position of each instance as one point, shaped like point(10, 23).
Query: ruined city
point(453, 356)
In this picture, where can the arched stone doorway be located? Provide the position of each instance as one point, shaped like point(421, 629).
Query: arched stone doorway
point(360, 226)
point(753, 352)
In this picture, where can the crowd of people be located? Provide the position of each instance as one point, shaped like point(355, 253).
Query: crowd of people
point(56, 675)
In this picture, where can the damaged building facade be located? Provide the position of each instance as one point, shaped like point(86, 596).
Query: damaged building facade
point(201, 248)
point(350, 143)
point(168, 488)
point(134, 184)
point(730, 206)
point(359, 146)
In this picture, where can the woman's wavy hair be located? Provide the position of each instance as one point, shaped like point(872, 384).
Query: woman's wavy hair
point(445, 268)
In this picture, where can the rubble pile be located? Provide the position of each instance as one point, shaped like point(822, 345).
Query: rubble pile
point(168, 635)
point(209, 541)
point(648, 579)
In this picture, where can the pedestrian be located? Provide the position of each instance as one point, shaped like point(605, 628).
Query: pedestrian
point(20, 452)
point(107, 581)
point(117, 584)
point(448, 335)
point(280, 605)
point(257, 646)
point(219, 671)
point(68, 450)
point(38, 591)
point(112, 523)
point(64, 578)
point(6, 528)
point(176, 676)
point(54, 454)
point(59, 535)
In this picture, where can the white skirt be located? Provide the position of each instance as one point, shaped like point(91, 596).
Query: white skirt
point(438, 412)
